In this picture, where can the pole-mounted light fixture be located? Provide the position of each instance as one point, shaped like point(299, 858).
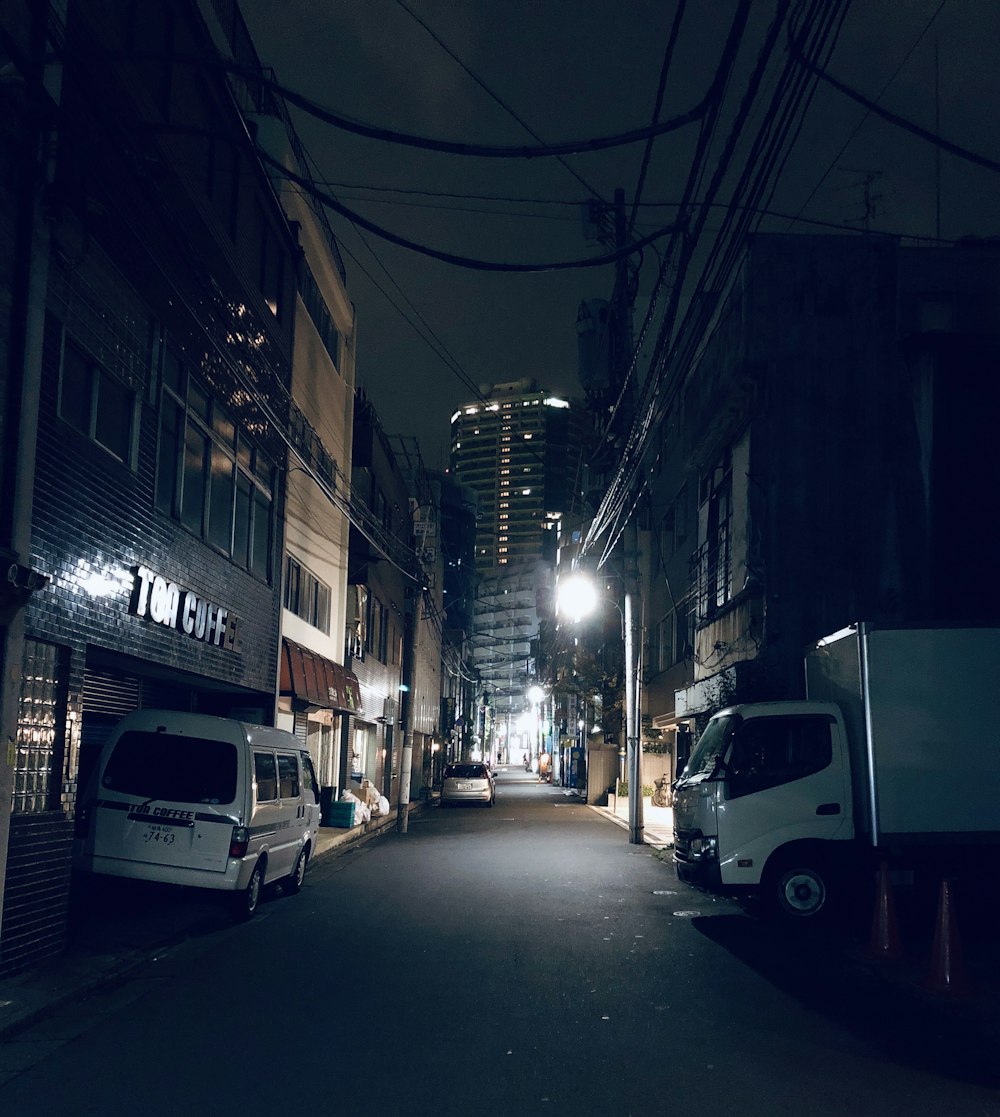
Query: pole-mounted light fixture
point(577, 597)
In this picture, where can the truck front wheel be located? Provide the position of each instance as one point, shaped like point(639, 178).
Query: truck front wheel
point(798, 889)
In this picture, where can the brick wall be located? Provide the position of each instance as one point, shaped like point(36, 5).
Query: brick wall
point(36, 896)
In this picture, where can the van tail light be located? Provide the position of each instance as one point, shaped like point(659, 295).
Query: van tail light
point(239, 842)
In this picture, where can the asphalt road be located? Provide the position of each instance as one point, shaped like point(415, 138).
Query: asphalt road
point(523, 959)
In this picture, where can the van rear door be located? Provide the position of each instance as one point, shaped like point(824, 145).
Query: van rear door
point(168, 799)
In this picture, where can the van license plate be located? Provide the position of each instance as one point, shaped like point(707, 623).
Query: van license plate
point(160, 835)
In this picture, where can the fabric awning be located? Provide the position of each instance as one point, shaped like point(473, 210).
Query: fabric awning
point(318, 681)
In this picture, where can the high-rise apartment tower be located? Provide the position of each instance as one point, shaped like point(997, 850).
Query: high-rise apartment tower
point(521, 449)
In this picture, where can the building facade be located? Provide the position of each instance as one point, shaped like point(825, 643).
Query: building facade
point(505, 637)
point(462, 698)
point(427, 680)
point(317, 694)
point(382, 570)
point(154, 296)
point(813, 468)
point(522, 451)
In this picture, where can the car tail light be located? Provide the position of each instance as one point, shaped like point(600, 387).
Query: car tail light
point(239, 842)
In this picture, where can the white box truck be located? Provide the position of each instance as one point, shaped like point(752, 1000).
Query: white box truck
point(894, 755)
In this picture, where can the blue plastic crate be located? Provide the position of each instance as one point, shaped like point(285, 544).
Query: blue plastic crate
point(340, 813)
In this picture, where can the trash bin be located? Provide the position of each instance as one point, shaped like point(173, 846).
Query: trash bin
point(327, 795)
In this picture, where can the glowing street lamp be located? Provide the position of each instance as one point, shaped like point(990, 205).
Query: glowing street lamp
point(536, 696)
point(576, 597)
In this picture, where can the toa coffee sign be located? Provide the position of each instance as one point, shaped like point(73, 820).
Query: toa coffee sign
point(167, 603)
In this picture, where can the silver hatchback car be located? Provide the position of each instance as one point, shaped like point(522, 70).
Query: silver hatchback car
point(468, 783)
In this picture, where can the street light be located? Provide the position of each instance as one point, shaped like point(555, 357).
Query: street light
point(576, 597)
point(536, 696)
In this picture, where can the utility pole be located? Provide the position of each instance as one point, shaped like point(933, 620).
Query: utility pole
point(407, 714)
point(621, 356)
point(632, 719)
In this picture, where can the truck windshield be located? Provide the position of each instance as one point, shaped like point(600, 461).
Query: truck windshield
point(710, 747)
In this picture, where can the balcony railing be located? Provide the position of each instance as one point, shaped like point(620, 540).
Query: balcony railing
point(711, 572)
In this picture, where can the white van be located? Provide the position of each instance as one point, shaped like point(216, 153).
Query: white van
point(203, 802)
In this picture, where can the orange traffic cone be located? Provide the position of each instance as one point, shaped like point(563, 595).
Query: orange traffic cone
point(885, 941)
point(947, 974)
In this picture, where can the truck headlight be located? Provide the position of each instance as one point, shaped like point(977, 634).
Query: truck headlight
point(704, 849)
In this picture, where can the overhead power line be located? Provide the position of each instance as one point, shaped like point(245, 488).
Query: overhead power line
point(668, 57)
point(486, 89)
point(895, 118)
point(569, 203)
point(448, 257)
point(857, 128)
point(479, 151)
point(817, 23)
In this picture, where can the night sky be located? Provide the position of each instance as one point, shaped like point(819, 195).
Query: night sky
point(561, 70)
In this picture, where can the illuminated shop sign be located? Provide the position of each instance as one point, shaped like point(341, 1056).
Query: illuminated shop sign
point(167, 603)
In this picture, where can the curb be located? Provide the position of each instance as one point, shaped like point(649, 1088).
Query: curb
point(29, 997)
point(650, 838)
point(342, 840)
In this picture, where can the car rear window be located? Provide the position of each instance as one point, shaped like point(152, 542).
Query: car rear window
point(465, 772)
point(178, 769)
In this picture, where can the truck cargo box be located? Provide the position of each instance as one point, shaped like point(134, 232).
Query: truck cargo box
point(918, 704)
